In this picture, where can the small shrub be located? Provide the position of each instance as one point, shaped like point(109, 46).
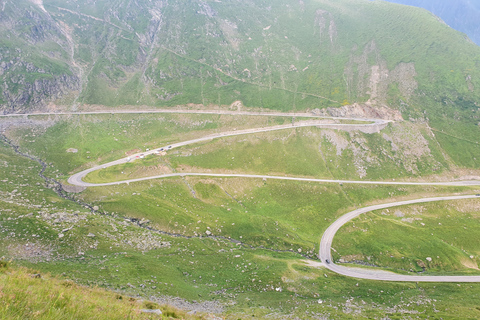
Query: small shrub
point(4, 264)
point(68, 284)
point(151, 305)
point(169, 312)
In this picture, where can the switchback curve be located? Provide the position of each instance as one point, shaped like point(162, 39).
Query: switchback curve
point(327, 238)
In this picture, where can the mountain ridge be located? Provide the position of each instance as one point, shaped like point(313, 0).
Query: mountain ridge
point(462, 15)
point(284, 56)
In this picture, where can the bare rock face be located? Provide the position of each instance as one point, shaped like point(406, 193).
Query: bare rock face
point(34, 70)
point(364, 111)
point(38, 94)
point(325, 25)
point(364, 78)
point(161, 53)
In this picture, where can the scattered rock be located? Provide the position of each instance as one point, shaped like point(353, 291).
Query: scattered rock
point(72, 189)
point(399, 214)
point(154, 311)
point(195, 306)
point(72, 150)
point(208, 233)
point(365, 111)
point(91, 235)
point(429, 259)
point(32, 252)
point(143, 221)
point(36, 275)
point(61, 235)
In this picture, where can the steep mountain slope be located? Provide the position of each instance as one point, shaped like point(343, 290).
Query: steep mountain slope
point(462, 15)
point(285, 55)
point(278, 55)
point(236, 245)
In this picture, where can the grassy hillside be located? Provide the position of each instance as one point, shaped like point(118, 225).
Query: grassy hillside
point(282, 55)
point(235, 247)
point(27, 294)
point(279, 55)
point(433, 238)
point(461, 15)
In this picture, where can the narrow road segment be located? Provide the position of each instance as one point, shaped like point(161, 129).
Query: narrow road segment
point(327, 238)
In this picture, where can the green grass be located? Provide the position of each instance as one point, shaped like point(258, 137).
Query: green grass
point(306, 152)
point(402, 238)
point(28, 294)
point(202, 268)
point(310, 152)
point(276, 214)
point(463, 151)
point(136, 168)
point(199, 62)
point(103, 138)
point(314, 152)
point(267, 56)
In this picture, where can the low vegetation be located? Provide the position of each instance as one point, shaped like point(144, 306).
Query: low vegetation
point(433, 238)
point(29, 294)
point(227, 246)
point(199, 247)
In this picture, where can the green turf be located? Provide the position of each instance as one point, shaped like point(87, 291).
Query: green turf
point(402, 238)
point(273, 214)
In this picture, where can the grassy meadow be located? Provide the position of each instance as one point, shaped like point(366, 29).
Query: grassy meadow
point(434, 238)
point(28, 294)
point(232, 246)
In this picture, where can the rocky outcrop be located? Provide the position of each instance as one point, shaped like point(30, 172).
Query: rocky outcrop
point(36, 94)
point(325, 25)
point(167, 53)
point(35, 69)
point(365, 111)
point(367, 74)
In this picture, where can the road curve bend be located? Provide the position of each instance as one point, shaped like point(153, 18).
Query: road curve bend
point(372, 274)
point(327, 238)
point(375, 125)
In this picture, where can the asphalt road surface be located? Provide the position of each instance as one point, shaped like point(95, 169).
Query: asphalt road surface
point(372, 274)
point(327, 238)
point(375, 124)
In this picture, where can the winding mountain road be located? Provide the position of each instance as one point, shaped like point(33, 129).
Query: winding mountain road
point(375, 125)
point(371, 274)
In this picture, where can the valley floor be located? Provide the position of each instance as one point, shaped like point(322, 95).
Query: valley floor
point(145, 236)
